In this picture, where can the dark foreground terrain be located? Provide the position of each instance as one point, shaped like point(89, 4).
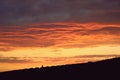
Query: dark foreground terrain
point(101, 70)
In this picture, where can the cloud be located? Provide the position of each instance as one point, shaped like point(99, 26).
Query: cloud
point(64, 35)
point(15, 12)
point(111, 30)
point(14, 60)
point(74, 59)
point(54, 60)
point(96, 56)
point(5, 49)
point(108, 29)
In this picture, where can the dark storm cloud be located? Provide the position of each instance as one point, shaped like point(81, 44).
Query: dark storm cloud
point(31, 11)
point(27, 11)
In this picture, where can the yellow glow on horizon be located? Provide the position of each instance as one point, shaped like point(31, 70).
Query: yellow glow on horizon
point(63, 52)
point(56, 56)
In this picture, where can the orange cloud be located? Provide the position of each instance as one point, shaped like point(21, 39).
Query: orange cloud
point(64, 35)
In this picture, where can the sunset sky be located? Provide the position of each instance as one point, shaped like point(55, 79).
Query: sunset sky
point(57, 32)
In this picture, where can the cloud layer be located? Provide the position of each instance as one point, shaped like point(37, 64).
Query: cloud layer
point(64, 35)
point(61, 23)
point(19, 12)
point(14, 60)
point(54, 60)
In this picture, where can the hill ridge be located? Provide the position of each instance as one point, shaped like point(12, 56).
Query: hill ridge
point(105, 69)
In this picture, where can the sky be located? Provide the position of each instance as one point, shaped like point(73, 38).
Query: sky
point(57, 32)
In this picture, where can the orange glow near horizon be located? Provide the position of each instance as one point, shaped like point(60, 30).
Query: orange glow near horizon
point(57, 43)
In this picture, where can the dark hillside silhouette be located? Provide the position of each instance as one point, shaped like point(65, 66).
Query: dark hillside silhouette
point(101, 70)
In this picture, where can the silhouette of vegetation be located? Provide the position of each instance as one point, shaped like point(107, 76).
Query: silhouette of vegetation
point(101, 70)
